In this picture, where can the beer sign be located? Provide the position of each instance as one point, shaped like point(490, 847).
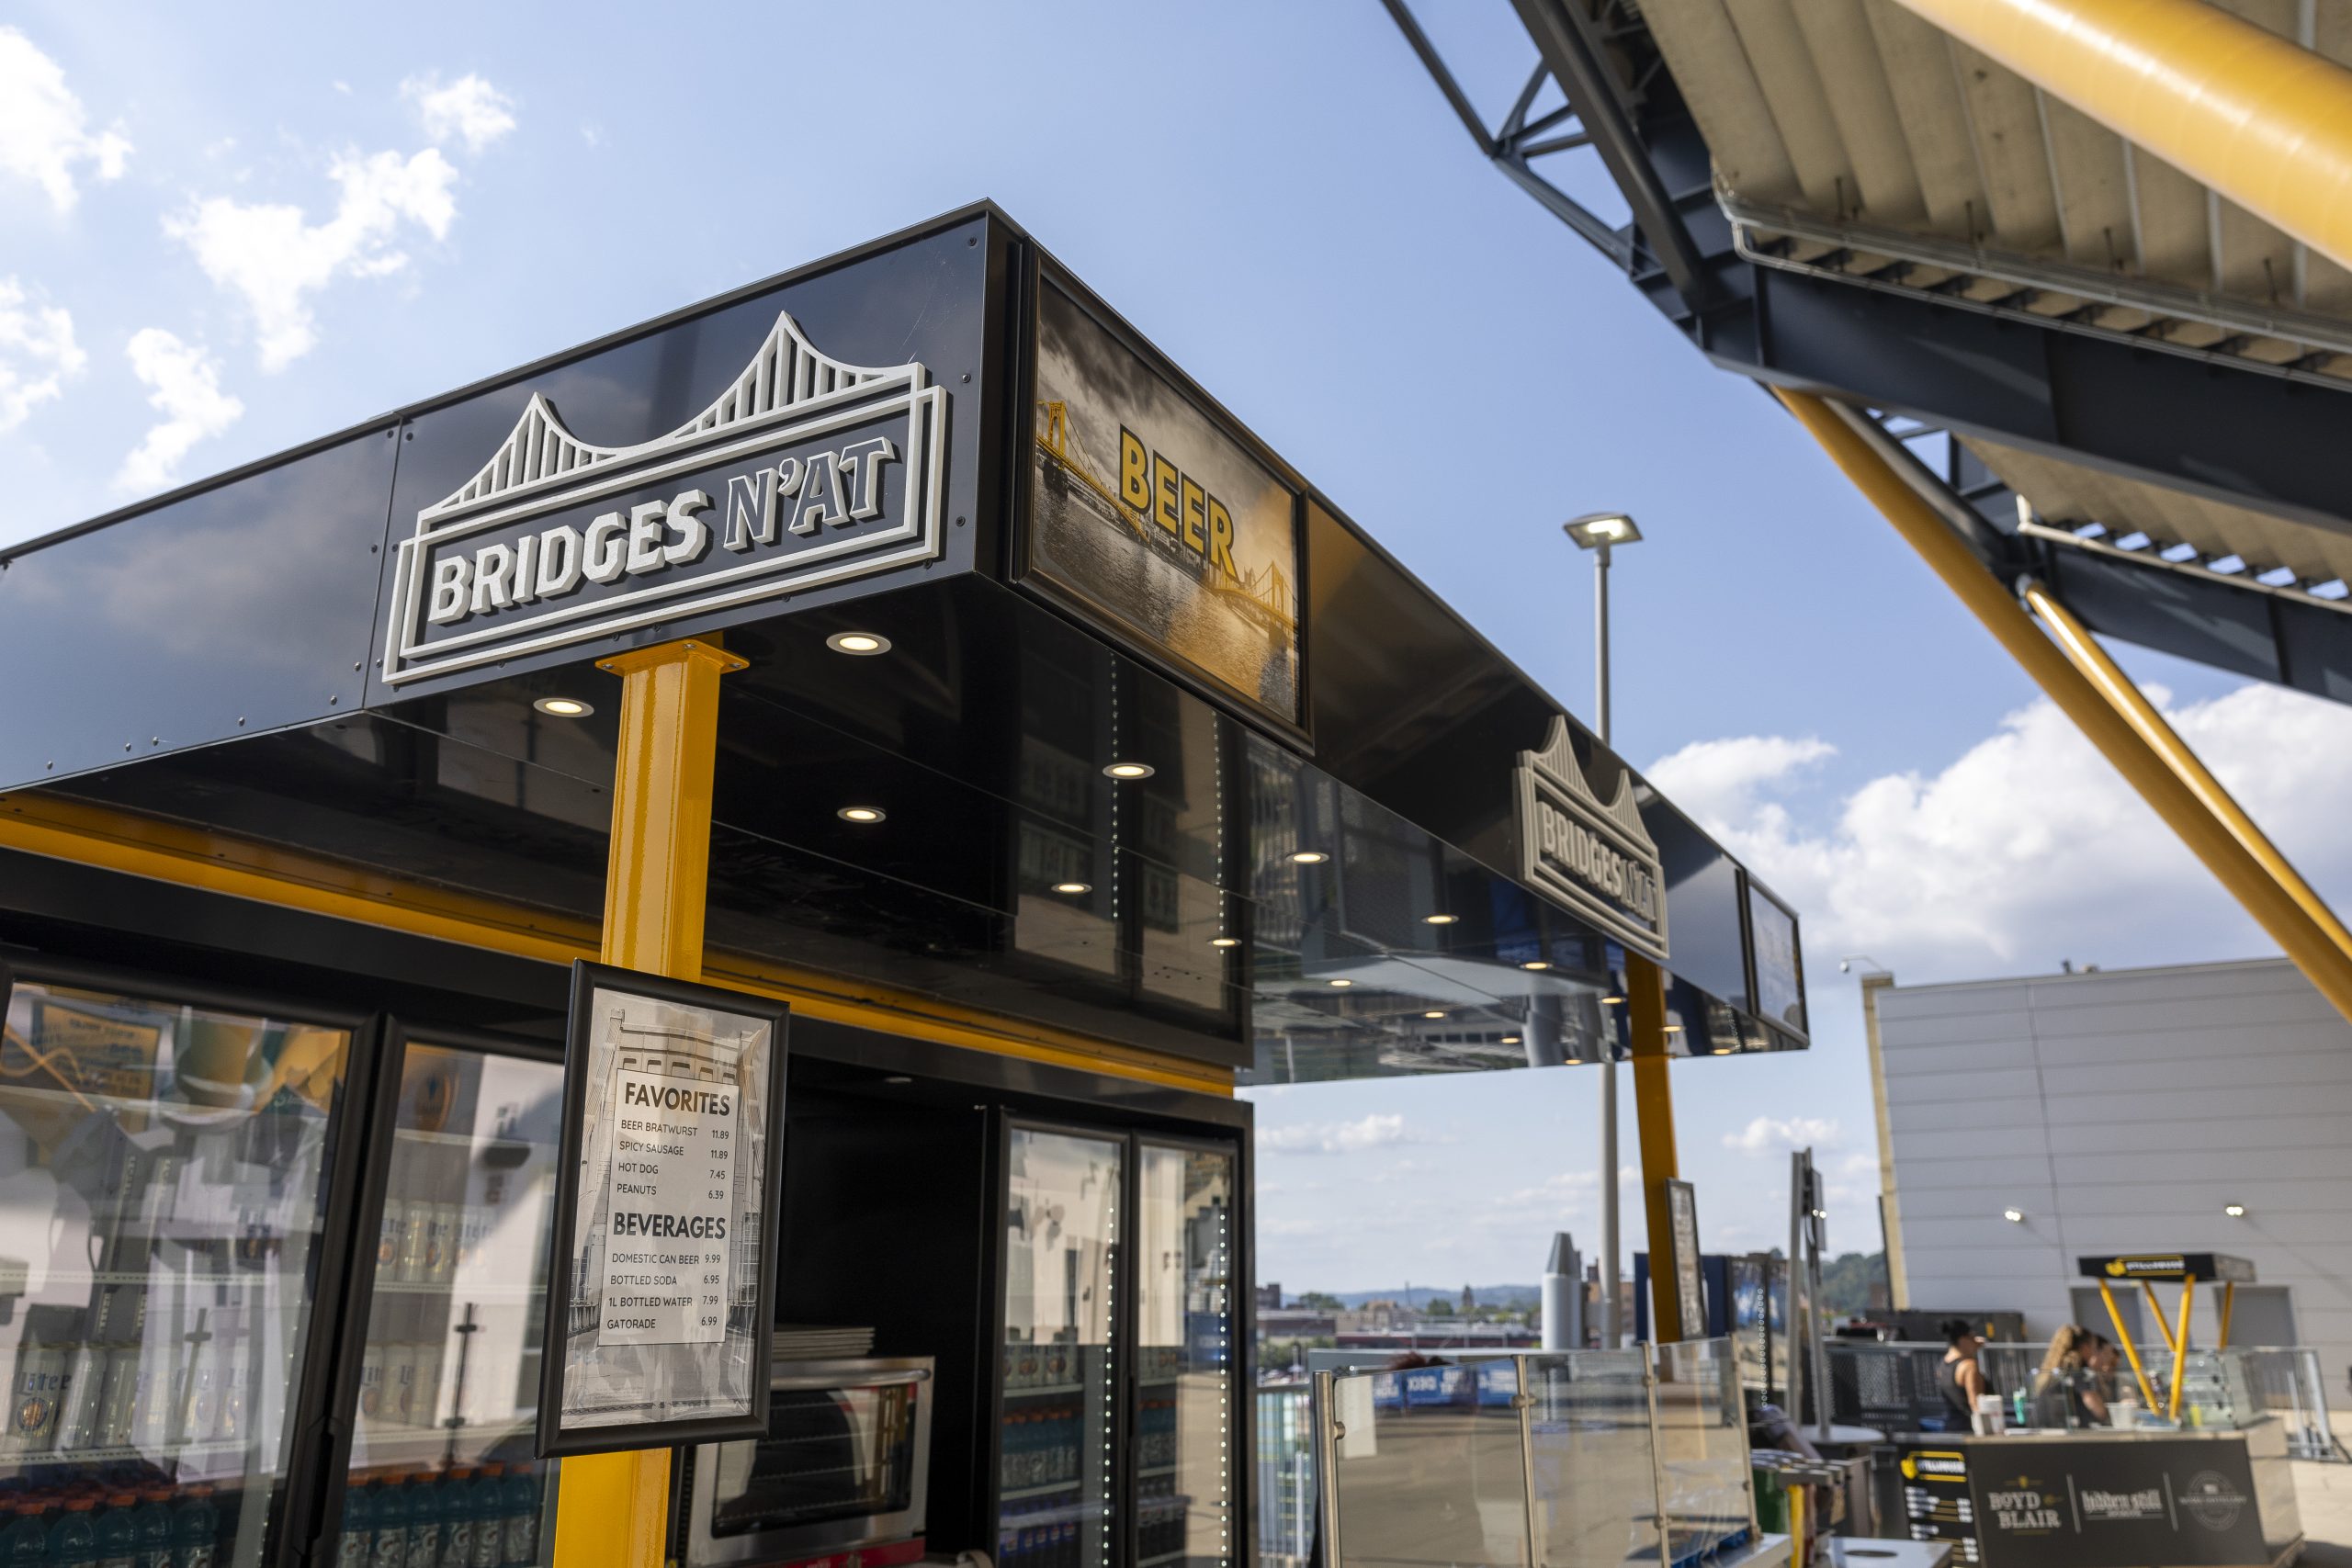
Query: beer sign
point(661, 1294)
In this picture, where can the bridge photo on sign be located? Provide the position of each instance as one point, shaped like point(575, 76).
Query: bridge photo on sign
point(1155, 519)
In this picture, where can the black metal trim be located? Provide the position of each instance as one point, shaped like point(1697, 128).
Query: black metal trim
point(554, 1441)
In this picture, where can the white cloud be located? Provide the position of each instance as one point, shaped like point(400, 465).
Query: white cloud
point(37, 354)
point(2029, 847)
point(1775, 1134)
point(44, 132)
point(268, 255)
point(469, 109)
point(1373, 1131)
point(183, 385)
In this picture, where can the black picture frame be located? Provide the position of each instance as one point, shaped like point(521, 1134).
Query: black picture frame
point(555, 1440)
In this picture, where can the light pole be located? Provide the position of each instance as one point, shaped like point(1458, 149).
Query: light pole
point(1599, 531)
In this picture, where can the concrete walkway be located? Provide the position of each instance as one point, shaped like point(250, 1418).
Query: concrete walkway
point(2323, 1495)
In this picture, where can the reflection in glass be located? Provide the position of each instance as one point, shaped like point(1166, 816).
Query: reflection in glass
point(1184, 1492)
point(1426, 1473)
point(162, 1172)
point(1055, 1472)
point(442, 1472)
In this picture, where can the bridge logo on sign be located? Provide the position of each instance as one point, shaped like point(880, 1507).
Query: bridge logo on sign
point(804, 472)
point(1598, 860)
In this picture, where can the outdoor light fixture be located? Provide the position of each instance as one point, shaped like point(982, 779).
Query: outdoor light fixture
point(1225, 942)
point(897, 1077)
point(861, 814)
point(1510, 1039)
point(1073, 887)
point(1536, 964)
point(1130, 769)
point(1674, 1029)
point(1720, 1050)
point(1596, 530)
point(1439, 919)
point(1339, 982)
point(1613, 1001)
point(563, 708)
point(1434, 1012)
point(864, 644)
point(1309, 857)
point(2015, 1217)
point(2235, 1211)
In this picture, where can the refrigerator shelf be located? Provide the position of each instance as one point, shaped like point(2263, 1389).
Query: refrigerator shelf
point(1050, 1487)
point(1044, 1388)
point(213, 1445)
point(1163, 1557)
point(507, 1295)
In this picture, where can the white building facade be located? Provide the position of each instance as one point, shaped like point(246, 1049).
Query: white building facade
point(2122, 1111)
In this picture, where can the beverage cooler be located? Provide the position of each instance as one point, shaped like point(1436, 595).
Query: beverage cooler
point(250, 1251)
point(1118, 1405)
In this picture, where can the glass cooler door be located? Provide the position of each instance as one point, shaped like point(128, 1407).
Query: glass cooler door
point(164, 1212)
point(441, 1471)
point(1185, 1506)
point(1057, 1479)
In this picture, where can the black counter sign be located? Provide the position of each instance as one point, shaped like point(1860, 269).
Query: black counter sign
point(2086, 1502)
point(662, 1288)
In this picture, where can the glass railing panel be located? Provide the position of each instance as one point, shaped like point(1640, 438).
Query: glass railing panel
point(1426, 1472)
point(1591, 1457)
point(1286, 1476)
point(1701, 1449)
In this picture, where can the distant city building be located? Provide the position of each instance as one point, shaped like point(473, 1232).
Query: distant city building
point(1270, 1297)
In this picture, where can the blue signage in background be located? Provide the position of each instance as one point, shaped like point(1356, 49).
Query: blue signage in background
point(1497, 1382)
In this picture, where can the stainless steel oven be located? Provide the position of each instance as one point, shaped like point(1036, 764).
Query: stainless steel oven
point(843, 1470)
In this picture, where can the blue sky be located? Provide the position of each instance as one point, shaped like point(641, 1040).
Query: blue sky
point(221, 234)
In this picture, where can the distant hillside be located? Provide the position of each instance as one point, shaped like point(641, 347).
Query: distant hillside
point(1421, 1295)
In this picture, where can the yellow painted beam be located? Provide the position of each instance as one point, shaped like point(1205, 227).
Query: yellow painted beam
point(612, 1510)
point(2180, 1347)
point(2266, 124)
point(2327, 966)
point(2127, 699)
point(1653, 1119)
point(2130, 1352)
point(200, 858)
point(2156, 1312)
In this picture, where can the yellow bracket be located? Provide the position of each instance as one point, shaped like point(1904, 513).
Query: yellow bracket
point(1653, 1118)
point(2228, 1300)
point(2130, 1352)
point(2180, 1347)
point(2156, 1312)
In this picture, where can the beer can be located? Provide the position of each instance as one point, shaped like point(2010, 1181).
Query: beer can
point(231, 1423)
point(442, 1244)
point(371, 1383)
point(428, 1385)
point(201, 1395)
point(400, 1385)
point(86, 1387)
point(160, 1378)
point(473, 1230)
point(388, 1240)
point(32, 1407)
point(119, 1404)
point(417, 1231)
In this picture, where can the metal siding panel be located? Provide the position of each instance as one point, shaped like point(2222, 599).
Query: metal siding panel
point(1784, 72)
point(1981, 1141)
point(2093, 192)
point(1917, 1094)
point(2317, 1163)
point(2007, 133)
point(2192, 1106)
point(2329, 1067)
point(1861, 103)
point(2034, 1196)
point(1925, 87)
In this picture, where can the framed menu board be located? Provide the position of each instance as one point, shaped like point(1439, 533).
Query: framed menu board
point(662, 1287)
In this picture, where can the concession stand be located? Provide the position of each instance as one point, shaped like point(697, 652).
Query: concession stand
point(901, 641)
point(2175, 1460)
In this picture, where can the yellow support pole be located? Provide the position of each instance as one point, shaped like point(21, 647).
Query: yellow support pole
point(2127, 699)
point(1654, 1117)
point(2180, 1349)
point(2328, 967)
point(2130, 1352)
point(612, 1511)
point(2157, 1311)
point(2234, 106)
point(2228, 1300)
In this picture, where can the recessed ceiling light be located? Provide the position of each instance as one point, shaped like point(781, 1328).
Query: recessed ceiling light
point(865, 644)
point(1225, 942)
point(1613, 1001)
point(2235, 1211)
point(897, 1077)
point(1339, 982)
point(1073, 887)
point(861, 814)
point(1674, 1029)
point(1309, 857)
point(563, 708)
point(1720, 1050)
point(1130, 769)
point(1537, 964)
point(2015, 1217)
point(1434, 1012)
point(1439, 919)
point(1510, 1039)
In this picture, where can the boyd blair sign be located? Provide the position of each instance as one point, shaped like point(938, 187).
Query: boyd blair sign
point(804, 472)
point(1596, 860)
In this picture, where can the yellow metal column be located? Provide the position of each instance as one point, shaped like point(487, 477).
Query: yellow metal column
point(1653, 1119)
point(2328, 967)
point(2180, 1347)
point(612, 1511)
point(2234, 106)
point(2156, 1312)
point(2130, 1352)
point(2229, 1303)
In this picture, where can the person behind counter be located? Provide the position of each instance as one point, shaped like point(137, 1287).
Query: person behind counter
point(2070, 1388)
point(1959, 1378)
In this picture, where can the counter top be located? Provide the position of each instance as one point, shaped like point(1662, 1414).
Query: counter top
point(2100, 1434)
